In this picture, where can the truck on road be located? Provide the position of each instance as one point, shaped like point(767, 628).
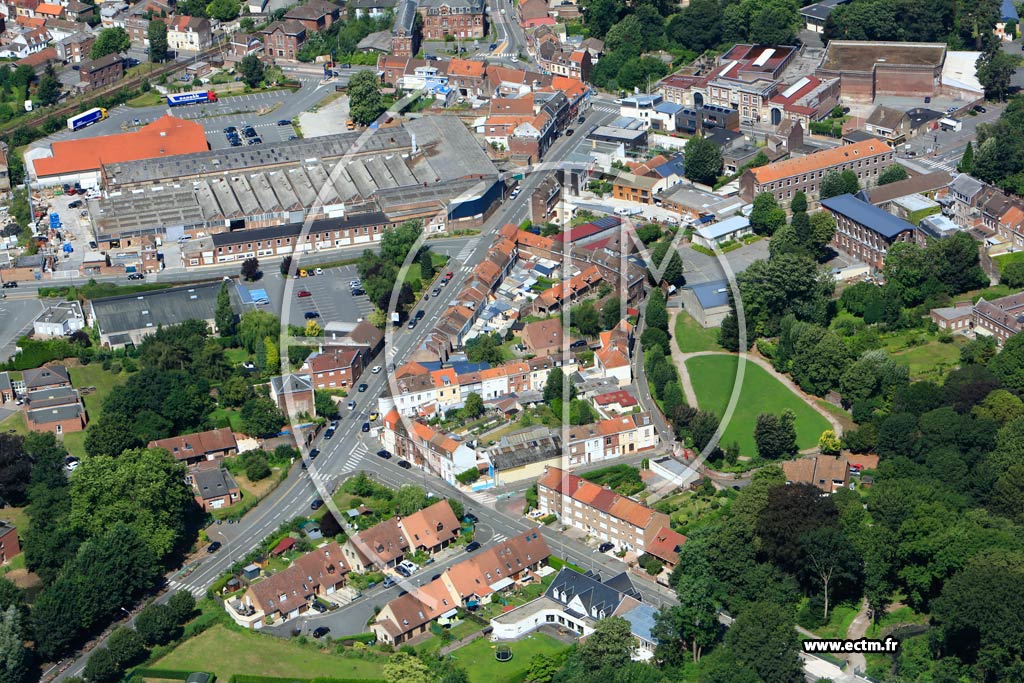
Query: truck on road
point(183, 98)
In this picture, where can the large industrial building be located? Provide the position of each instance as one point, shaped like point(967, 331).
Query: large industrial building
point(430, 168)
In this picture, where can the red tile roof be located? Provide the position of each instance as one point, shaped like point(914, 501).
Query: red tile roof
point(819, 160)
point(666, 544)
point(165, 137)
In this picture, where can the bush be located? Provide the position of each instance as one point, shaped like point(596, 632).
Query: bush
point(157, 625)
point(257, 468)
point(169, 674)
point(182, 606)
point(548, 519)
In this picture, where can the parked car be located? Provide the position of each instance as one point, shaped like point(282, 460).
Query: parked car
point(405, 464)
point(313, 453)
point(70, 463)
point(389, 581)
point(10, 285)
point(366, 426)
point(316, 504)
point(470, 517)
point(362, 388)
point(412, 324)
point(980, 109)
point(569, 131)
point(373, 416)
point(328, 434)
point(351, 405)
point(419, 314)
point(382, 453)
point(312, 315)
point(376, 369)
point(403, 571)
point(318, 607)
point(320, 631)
point(303, 293)
point(437, 291)
point(75, 204)
point(410, 565)
point(136, 276)
point(213, 547)
point(475, 545)
point(605, 547)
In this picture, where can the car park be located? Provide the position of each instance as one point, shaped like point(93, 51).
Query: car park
point(213, 547)
point(320, 631)
point(475, 545)
point(383, 453)
point(230, 129)
point(249, 132)
point(405, 464)
point(605, 547)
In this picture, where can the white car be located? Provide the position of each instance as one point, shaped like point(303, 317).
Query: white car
point(376, 369)
point(410, 567)
point(319, 271)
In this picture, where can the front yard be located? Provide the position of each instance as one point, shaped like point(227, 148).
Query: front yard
point(225, 651)
point(478, 658)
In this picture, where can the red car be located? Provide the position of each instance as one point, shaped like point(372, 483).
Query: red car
point(303, 293)
point(450, 275)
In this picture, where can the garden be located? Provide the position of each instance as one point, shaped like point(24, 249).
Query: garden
point(479, 660)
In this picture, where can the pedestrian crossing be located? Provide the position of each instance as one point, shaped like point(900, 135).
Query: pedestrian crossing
point(465, 253)
point(500, 538)
point(196, 591)
point(607, 108)
point(483, 497)
point(949, 168)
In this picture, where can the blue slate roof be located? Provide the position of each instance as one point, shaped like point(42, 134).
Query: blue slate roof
point(595, 596)
point(675, 166)
point(868, 215)
point(711, 294)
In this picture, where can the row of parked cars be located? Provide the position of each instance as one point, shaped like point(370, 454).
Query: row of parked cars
point(247, 132)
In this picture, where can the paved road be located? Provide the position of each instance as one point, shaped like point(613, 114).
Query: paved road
point(17, 313)
point(511, 37)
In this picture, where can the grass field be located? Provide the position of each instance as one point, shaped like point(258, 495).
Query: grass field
point(713, 377)
point(925, 356)
point(93, 375)
point(1005, 259)
point(225, 652)
point(691, 337)
point(478, 658)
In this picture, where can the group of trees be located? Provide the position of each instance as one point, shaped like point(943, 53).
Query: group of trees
point(703, 160)
point(806, 234)
point(998, 157)
point(589, 321)
point(961, 25)
point(341, 37)
point(366, 102)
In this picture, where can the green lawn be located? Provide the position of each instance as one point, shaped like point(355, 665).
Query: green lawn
point(148, 99)
point(233, 416)
point(15, 423)
point(989, 293)
point(713, 377)
point(93, 375)
point(224, 652)
point(1012, 257)
point(691, 337)
point(478, 658)
point(925, 356)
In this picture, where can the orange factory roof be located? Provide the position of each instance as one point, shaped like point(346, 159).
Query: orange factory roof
point(167, 136)
point(819, 160)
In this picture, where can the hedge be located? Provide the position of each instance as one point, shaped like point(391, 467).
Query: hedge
point(359, 638)
point(249, 678)
point(170, 674)
point(558, 563)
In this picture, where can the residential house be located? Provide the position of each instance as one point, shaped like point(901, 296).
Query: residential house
point(293, 394)
point(965, 193)
point(782, 179)
point(405, 33)
point(9, 545)
point(1000, 318)
point(423, 445)
point(544, 337)
point(599, 511)
point(707, 302)
point(533, 13)
point(666, 545)
point(892, 125)
point(612, 358)
point(380, 547)
point(214, 488)
point(193, 449)
point(864, 231)
point(411, 614)
point(431, 529)
point(241, 46)
point(337, 367)
point(1008, 17)
point(315, 15)
point(46, 377)
point(7, 392)
point(610, 438)
point(189, 33)
point(456, 18)
point(56, 409)
point(499, 568)
point(74, 49)
point(290, 592)
point(825, 472)
point(99, 73)
point(282, 40)
point(808, 99)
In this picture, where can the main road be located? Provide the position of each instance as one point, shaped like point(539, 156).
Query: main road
point(352, 450)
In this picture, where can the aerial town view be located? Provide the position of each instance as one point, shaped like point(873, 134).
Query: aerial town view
point(511, 341)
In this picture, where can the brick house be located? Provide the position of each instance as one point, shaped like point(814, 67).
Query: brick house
point(431, 529)
point(543, 337)
point(99, 73)
point(9, 545)
point(380, 547)
point(55, 409)
point(337, 367)
point(293, 393)
point(214, 488)
point(315, 15)
point(457, 18)
point(865, 231)
point(202, 446)
point(599, 511)
point(824, 472)
point(46, 377)
point(282, 40)
point(290, 592)
point(75, 48)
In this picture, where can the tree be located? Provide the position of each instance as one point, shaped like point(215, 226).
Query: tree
point(252, 70)
point(484, 348)
point(1012, 274)
point(405, 668)
point(272, 356)
point(255, 326)
point(967, 160)
point(586, 319)
point(224, 316)
point(832, 185)
point(286, 265)
point(223, 10)
point(157, 625)
point(257, 468)
point(156, 32)
point(542, 669)
point(611, 313)
point(763, 639)
point(261, 417)
point(1000, 406)
point(798, 204)
point(829, 443)
point(626, 37)
point(126, 647)
point(665, 256)
point(831, 559)
point(15, 658)
point(312, 329)
point(324, 404)
point(608, 648)
point(554, 386)
point(426, 266)
point(893, 173)
point(182, 605)
point(697, 27)
point(365, 101)
point(703, 160)
point(692, 625)
point(15, 470)
point(672, 397)
point(474, 407)
point(410, 499)
point(995, 72)
point(142, 487)
point(102, 667)
point(251, 269)
point(656, 313)
point(775, 435)
point(49, 89)
point(110, 41)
